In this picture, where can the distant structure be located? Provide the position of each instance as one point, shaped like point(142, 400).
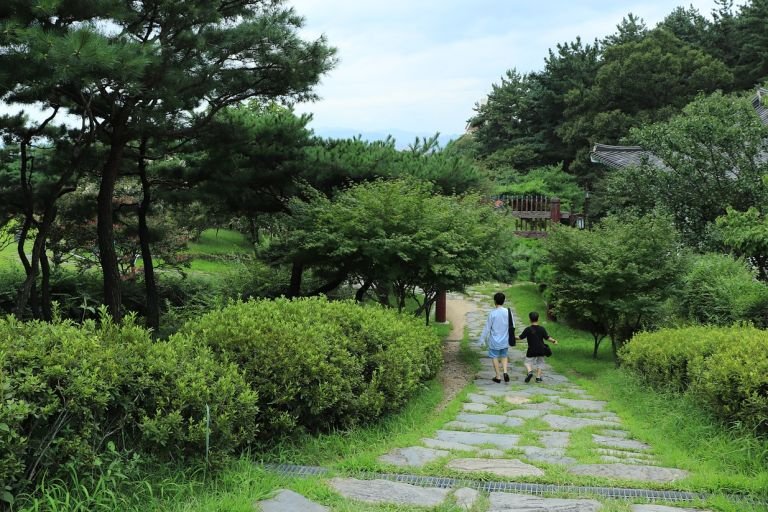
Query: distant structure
point(618, 157)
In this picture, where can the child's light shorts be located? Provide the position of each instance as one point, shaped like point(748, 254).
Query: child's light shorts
point(535, 362)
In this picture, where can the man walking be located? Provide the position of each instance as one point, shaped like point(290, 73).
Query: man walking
point(496, 336)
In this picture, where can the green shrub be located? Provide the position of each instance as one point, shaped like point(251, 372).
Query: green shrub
point(724, 367)
point(317, 364)
point(720, 290)
point(734, 381)
point(662, 358)
point(69, 391)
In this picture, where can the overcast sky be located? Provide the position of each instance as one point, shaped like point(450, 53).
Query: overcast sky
point(419, 66)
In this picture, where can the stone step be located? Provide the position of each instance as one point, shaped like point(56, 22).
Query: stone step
point(289, 501)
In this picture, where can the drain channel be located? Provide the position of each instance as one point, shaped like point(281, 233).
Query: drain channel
point(526, 488)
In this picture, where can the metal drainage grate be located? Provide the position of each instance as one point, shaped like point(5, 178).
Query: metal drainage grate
point(524, 488)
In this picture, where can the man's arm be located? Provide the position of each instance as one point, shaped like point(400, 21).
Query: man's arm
point(486, 332)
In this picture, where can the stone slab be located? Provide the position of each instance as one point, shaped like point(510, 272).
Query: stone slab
point(501, 467)
point(416, 456)
point(516, 399)
point(384, 491)
point(481, 399)
point(614, 442)
point(663, 508)
point(503, 441)
point(487, 419)
point(623, 453)
point(630, 472)
point(289, 501)
point(569, 423)
point(526, 413)
point(624, 460)
point(543, 406)
point(616, 433)
point(507, 502)
point(466, 498)
point(464, 425)
point(448, 445)
point(553, 378)
point(554, 439)
point(548, 455)
point(584, 405)
point(540, 390)
point(605, 416)
point(490, 419)
point(474, 407)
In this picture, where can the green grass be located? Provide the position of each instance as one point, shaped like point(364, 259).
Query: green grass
point(220, 242)
point(721, 461)
point(682, 434)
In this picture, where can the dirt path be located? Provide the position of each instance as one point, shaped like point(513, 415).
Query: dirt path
point(455, 374)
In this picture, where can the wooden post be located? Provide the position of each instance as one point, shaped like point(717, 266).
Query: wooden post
point(554, 211)
point(440, 316)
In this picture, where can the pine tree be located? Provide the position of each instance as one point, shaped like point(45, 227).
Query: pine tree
point(155, 69)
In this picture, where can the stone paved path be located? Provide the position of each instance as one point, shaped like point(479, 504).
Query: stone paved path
point(515, 430)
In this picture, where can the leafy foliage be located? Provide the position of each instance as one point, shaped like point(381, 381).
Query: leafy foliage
point(394, 234)
point(550, 181)
point(613, 278)
point(317, 364)
point(746, 235)
point(70, 391)
point(720, 290)
point(726, 368)
point(718, 143)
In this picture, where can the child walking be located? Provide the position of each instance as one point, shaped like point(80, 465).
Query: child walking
point(534, 357)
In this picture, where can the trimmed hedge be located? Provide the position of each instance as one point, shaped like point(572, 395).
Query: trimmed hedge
point(724, 367)
point(69, 391)
point(318, 364)
point(264, 369)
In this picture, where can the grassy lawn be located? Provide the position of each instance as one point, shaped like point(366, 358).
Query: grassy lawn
point(220, 242)
point(682, 433)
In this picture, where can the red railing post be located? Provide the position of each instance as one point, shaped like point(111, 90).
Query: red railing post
point(554, 210)
point(440, 305)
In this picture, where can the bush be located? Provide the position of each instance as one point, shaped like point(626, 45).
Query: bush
point(68, 391)
point(317, 364)
point(734, 381)
point(662, 358)
point(720, 290)
point(726, 368)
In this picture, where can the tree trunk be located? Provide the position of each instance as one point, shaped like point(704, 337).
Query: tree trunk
point(150, 284)
point(40, 260)
point(45, 287)
point(26, 287)
point(105, 230)
point(329, 286)
point(294, 289)
point(360, 293)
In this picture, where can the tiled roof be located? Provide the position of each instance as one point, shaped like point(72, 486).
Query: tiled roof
point(618, 157)
point(623, 156)
point(757, 102)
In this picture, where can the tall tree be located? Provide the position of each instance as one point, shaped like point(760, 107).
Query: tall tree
point(158, 68)
point(640, 82)
point(46, 165)
point(751, 41)
point(718, 144)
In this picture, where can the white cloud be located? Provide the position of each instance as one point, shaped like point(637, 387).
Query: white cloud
point(421, 66)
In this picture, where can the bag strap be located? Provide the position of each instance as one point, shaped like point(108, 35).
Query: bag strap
point(511, 320)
